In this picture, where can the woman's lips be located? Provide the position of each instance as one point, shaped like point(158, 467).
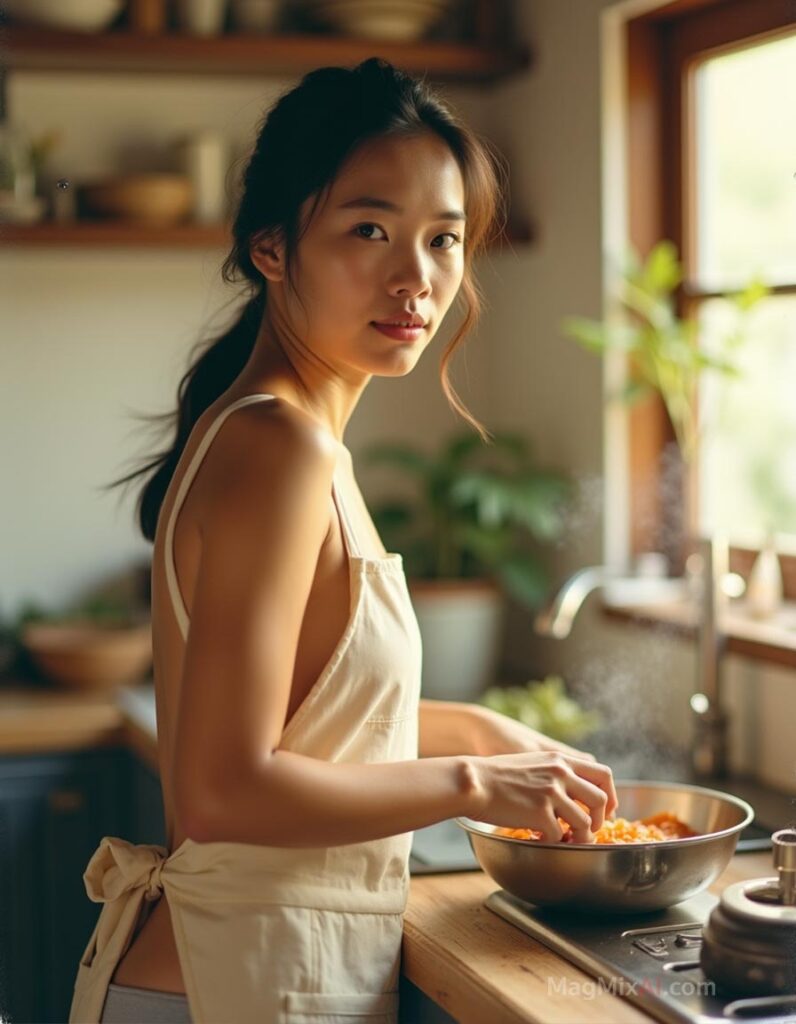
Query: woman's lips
point(399, 333)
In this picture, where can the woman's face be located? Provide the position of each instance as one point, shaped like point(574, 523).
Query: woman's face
point(388, 239)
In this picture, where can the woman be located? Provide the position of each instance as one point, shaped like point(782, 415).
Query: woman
point(295, 755)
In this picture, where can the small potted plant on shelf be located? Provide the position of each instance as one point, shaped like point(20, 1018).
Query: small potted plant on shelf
point(467, 537)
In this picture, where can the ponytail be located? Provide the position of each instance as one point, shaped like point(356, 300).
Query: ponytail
point(209, 376)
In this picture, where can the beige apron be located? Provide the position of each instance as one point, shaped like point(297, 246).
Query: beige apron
point(275, 935)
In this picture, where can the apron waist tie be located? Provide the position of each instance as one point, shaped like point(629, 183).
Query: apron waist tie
point(119, 866)
point(121, 876)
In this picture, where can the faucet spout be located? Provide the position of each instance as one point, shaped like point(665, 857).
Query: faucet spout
point(556, 620)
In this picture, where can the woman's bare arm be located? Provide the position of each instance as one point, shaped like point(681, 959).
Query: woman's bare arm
point(298, 801)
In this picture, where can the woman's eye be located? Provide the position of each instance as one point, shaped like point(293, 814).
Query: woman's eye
point(368, 226)
point(455, 239)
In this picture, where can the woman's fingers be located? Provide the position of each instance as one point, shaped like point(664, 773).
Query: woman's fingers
point(592, 796)
point(549, 826)
point(601, 776)
point(577, 819)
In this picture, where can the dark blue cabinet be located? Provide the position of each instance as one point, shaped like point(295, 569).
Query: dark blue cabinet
point(54, 810)
point(147, 823)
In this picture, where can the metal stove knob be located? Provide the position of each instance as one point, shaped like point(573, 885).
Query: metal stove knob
point(784, 843)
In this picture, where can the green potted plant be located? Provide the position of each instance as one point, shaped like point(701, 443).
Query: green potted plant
point(467, 536)
point(663, 349)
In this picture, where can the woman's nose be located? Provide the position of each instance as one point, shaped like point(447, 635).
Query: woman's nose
point(412, 278)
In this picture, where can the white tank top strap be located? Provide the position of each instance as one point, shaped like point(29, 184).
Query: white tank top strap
point(185, 483)
point(348, 534)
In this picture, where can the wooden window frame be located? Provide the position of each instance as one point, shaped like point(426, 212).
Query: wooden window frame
point(663, 45)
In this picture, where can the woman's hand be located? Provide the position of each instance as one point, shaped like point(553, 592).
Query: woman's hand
point(535, 790)
point(493, 733)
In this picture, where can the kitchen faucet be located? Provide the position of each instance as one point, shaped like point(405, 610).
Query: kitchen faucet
point(709, 749)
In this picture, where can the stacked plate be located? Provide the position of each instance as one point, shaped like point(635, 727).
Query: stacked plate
point(394, 20)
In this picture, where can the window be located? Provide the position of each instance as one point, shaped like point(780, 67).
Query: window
point(745, 225)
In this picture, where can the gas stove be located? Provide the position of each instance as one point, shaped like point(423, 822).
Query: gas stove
point(650, 959)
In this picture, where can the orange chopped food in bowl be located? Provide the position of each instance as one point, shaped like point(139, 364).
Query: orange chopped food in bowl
point(653, 829)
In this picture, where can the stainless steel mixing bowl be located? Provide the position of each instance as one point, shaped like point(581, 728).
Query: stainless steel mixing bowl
point(622, 877)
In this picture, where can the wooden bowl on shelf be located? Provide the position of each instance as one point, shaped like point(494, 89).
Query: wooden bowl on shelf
point(393, 20)
point(75, 16)
point(89, 656)
point(156, 199)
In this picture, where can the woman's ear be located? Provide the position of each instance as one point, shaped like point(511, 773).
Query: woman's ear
point(268, 255)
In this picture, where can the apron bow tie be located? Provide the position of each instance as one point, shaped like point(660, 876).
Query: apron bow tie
point(118, 866)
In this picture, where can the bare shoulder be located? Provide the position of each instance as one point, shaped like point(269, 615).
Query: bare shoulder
point(262, 446)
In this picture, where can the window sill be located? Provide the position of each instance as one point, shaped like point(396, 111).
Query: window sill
point(769, 640)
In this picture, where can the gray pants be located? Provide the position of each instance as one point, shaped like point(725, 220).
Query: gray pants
point(126, 1004)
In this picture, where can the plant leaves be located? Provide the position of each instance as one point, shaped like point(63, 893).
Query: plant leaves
point(458, 448)
point(393, 515)
point(590, 333)
point(516, 446)
point(524, 578)
point(489, 546)
point(545, 706)
point(400, 456)
point(632, 392)
point(662, 272)
point(750, 295)
point(491, 495)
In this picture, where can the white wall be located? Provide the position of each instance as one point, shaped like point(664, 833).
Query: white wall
point(91, 337)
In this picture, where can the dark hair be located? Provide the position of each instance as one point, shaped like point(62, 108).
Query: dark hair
point(301, 146)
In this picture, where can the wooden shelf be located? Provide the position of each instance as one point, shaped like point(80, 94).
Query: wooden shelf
point(118, 234)
point(230, 54)
point(772, 640)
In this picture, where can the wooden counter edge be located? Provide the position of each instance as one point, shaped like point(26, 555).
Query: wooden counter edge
point(41, 721)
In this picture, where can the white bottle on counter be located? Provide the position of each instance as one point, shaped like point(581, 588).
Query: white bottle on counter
point(764, 589)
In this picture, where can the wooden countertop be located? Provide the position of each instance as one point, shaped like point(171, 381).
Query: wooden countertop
point(475, 965)
point(35, 719)
point(40, 720)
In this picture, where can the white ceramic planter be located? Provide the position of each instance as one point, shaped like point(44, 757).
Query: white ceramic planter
point(461, 625)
